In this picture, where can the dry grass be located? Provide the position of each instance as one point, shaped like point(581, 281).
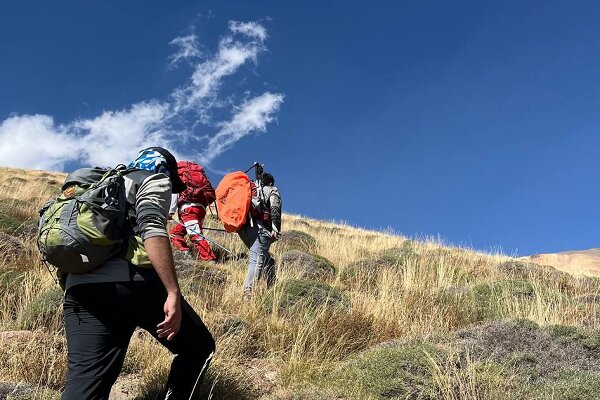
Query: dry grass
point(420, 288)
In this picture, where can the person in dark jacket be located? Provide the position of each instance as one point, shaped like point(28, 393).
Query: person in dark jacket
point(103, 307)
point(261, 231)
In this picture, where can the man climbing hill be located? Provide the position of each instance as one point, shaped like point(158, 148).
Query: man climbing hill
point(262, 229)
point(137, 287)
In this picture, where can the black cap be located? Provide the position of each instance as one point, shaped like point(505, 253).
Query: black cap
point(268, 179)
point(178, 185)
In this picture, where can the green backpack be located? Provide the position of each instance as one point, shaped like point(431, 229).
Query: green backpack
point(86, 224)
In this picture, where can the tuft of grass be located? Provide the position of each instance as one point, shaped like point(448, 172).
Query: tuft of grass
point(44, 311)
point(294, 293)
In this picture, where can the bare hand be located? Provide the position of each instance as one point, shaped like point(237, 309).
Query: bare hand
point(170, 326)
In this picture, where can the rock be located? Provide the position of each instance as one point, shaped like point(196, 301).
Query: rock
point(126, 387)
point(16, 389)
point(261, 375)
point(15, 336)
point(456, 290)
point(307, 266)
point(11, 248)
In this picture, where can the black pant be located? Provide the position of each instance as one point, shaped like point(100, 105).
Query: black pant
point(100, 319)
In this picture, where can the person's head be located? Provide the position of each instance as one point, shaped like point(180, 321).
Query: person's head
point(267, 179)
point(159, 160)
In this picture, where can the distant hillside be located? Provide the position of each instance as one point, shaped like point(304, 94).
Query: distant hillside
point(576, 262)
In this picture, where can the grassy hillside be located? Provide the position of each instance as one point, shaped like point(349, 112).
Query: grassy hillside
point(355, 314)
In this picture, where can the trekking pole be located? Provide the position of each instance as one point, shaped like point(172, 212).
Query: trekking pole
point(213, 242)
point(214, 229)
point(203, 228)
point(253, 166)
point(206, 238)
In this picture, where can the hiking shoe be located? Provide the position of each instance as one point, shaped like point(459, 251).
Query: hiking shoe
point(246, 296)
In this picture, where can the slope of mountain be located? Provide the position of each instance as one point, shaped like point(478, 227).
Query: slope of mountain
point(576, 262)
point(354, 314)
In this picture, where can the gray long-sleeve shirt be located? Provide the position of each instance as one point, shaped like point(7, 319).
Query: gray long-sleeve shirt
point(270, 199)
point(149, 198)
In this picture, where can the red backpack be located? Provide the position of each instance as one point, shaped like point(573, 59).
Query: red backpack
point(199, 188)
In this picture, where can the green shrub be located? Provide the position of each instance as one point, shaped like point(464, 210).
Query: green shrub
point(297, 240)
point(568, 385)
point(402, 372)
point(307, 266)
point(566, 334)
point(486, 295)
point(293, 293)
point(14, 214)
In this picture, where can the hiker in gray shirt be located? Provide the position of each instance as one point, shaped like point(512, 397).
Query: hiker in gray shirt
point(261, 231)
point(138, 288)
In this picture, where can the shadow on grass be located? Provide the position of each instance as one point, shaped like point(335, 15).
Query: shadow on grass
point(216, 385)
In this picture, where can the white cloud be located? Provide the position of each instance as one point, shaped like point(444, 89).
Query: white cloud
point(188, 48)
point(34, 141)
point(116, 136)
point(208, 76)
point(113, 137)
point(253, 116)
point(251, 29)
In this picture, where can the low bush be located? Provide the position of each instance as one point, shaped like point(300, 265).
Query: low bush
point(293, 293)
point(307, 266)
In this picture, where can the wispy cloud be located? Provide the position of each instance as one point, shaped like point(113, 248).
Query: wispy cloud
point(252, 116)
point(36, 141)
point(188, 48)
point(252, 29)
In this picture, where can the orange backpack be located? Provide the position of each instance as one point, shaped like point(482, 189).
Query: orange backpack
point(234, 194)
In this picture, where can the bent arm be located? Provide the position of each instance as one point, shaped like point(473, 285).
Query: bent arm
point(152, 205)
point(161, 257)
point(275, 208)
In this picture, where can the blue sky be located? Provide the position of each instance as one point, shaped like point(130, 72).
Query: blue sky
point(470, 120)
